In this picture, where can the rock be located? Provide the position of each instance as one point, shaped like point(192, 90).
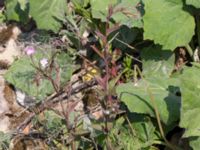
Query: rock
point(9, 50)
point(11, 113)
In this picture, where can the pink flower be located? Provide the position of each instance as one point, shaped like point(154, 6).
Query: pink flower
point(29, 50)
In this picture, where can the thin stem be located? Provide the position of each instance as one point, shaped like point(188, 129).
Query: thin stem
point(198, 28)
point(190, 51)
point(129, 46)
point(129, 123)
point(157, 115)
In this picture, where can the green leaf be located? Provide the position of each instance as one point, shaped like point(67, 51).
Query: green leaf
point(140, 134)
point(163, 90)
point(190, 86)
point(2, 17)
point(82, 3)
point(166, 23)
point(131, 15)
point(126, 12)
point(53, 121)
point(195, 3)
point(23, 4)
point(100, 8)
point(157, 61)
point(23, 75)
point(48, 14)
point(125, 35)
point(5, 139)
point(14, 11)
point(194, 143)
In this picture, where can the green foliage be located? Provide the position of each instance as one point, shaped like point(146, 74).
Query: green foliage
point(2, 17)
point(23, 4)
point(81, 2)
point(195, 3)
point(190, 100)
point(48, 14)
point(126, 12)
point(157, 61)
point(163, 90)
point(168, 23)
point(53, 122)
point(25, 77)
point(165, 22)
point(100, 9)
point(15, 11)
point(194, 143)
point(131, 16)
point(4, 140)
point(123, 36)
point(140, 134)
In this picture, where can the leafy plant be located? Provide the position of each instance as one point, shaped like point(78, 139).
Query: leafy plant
point(25, 76)
point(141, 113)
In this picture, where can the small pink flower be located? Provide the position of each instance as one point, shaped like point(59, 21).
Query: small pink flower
point(29, 50)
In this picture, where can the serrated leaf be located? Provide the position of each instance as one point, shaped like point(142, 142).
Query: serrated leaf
point(167, 23)
point(195, 3)
point(164, 90)
point(190, 86)
point(48, 14)
point(157, 61)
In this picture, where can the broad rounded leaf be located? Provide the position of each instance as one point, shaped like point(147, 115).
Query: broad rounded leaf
point(24, 76)
point(48, 14)
point(137, 98)
point(167, 23)
point(157, 61)
point(190, 86)
point(195, 3)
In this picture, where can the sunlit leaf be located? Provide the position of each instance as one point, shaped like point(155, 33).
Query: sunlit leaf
point(167, 23)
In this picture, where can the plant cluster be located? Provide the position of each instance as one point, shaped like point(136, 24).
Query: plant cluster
point(143, 57)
